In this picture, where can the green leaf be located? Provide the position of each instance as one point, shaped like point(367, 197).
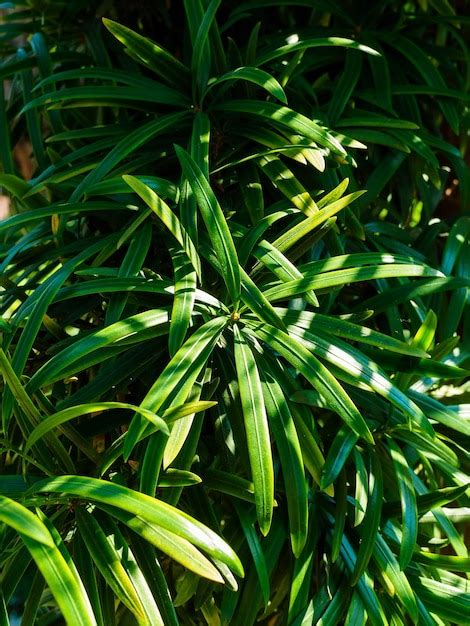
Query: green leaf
point(341, 493)
point(428, 501)
point(145, 507)
point(443, 561)
point(317, 375)
point(111, 557)
point(416, 56)
point(63, 582)
point(150, 54)
point(365, 589)
point(257, 430)
point(56, 419)
point(33, 120)
point(72, 356)
point(255, 548)
point(177, 378)
point(283, 178)
point(123, 148)
point(169, 219)
point(454, 244)
point(317, 42)
point(183, 302)
point(345, 86)
point(252, 75)
point(376, 121)
point(354, 363)
point(408, 503)
point(22, 520)
point(152, 570)
point(336, 327)
point(287, 442)
point(274, 260)
point(171, 543)
point(287, 117)
point(446, 601)
point(356, 615)
point(198, 66)
point(103, 96)
point(327, 280)
point(180, 430)
point(399, 584)
point(215, 222)
point(370, 525)
point(303, 228)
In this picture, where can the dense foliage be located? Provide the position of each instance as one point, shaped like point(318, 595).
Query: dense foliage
point(235, 324)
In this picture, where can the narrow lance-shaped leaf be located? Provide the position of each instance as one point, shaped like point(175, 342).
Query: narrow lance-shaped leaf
point(257, 430)
point(169, 219)
point(336, 278)
point(61, 417)
point(316, 42)
point(74, 354)
point(63, 583)
point(404, 480)
point(354, 363)
point(342, 446)
point(104, 551)
point(370, 524)
point(21, 519)
point(183, 302)
point(303, 228)
point(199, 67)
point(254, 299)
point(292, 119)
point(390, 569)
point(255, 549)
point(178, 376)
point(41, 297)
point(172, 544)
point(215, 222)
point(123, 148)
point(336, 327)
point(270, 257)
point(252, 75)
point(287, 443)
point(150, 54)
point(317, 374)
point(180, 431)
point(145, 507)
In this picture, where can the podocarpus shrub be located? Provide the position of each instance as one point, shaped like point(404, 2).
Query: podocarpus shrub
point(234, 321)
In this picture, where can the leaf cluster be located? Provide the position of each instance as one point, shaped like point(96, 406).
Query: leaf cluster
point(235, 320)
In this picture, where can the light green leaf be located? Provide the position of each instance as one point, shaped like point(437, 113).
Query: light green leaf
point(177, 378)
point(215, 222)
point(145, 507)
point(63, 583)
point(111, 557)
point(257, 430)
point(396, 578)
point(287, 117)
point(56, 419)
point(327, 280)
point(21, 519)
point(409, 507)
point(290, 453)
point(169, 219)
point(370, 524)
point(252, 75)
point(317, 375)
point(317, 42)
